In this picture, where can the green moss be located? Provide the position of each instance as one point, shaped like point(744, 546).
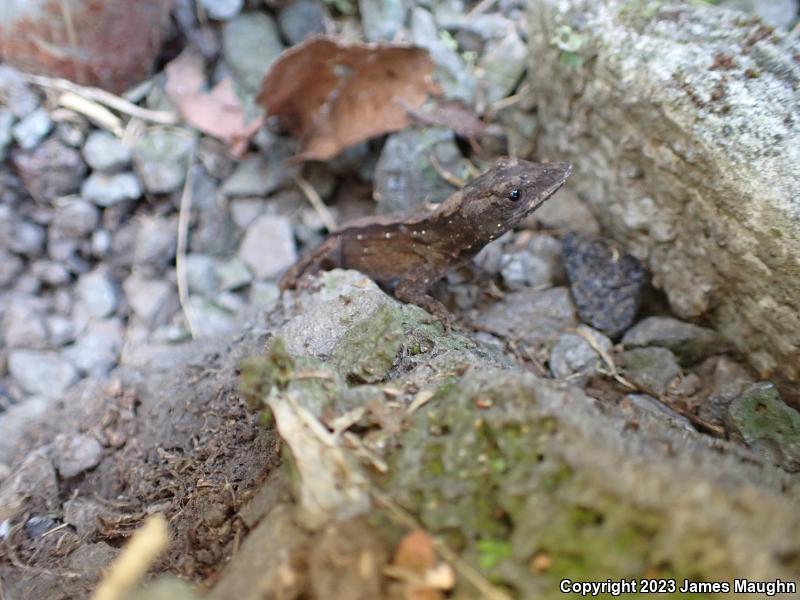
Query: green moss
point(495, 479)
point(368, 349)
point(259, 373)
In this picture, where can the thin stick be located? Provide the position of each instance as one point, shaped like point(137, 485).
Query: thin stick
point(96, 113)
point(481, 7)
point(449, 177)
point(118, 103)
point(183, 237)
point(402, 517)
point(316, 201)
point(139, 553)
point(72, 36)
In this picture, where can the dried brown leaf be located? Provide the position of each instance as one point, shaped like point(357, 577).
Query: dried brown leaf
point(332, 95)
point(218, 112)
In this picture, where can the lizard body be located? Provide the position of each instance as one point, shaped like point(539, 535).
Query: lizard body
point(407, 255)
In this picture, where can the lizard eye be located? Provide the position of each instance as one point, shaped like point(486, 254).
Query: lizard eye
point(514, 195)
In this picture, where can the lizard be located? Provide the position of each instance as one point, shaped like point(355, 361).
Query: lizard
point(406, 255)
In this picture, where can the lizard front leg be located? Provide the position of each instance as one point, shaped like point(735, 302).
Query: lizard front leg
point(310, 262)
point(413, 292)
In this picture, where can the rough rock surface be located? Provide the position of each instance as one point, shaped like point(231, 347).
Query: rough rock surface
point(512, 466)
point(682, 125)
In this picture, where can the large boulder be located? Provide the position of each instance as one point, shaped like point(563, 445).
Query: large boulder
point(682, 124)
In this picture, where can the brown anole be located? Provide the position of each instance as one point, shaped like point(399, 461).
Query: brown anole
point(407, 255)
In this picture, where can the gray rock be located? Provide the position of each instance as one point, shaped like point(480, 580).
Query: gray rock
point(149, 298)
point(536, 317)
point(523, 269)
point(382, 19)
point(606, 284)
point(11, 266)
point(6, 123)
point(268, 247)
point(652, 369)
point(450, 72)
point(405, 176)
point(32, 129)
point(764, 422)
point(245, 210)
point(707, 103)
point(233, 274)
point(23, 323)
point(155, 244)
point(101, 242)
point(161, 158)
point(61, 330)
point(26, 238)
point(644, 404)
point(780, 13)
point(264, 294)
point(109, 189)
point(250, 43)
point(17, 96)
point(690, 343)
point(50, 170)
point(256, 176)
point(75, 454)
point(41, 373)
point(97, 292)
point(72, 134)
point(74, 218)
point(31, 487)
point(301, 19)
point(214, 232)
point(201, 275)
point(50, 273)
point(106, 152)
point(208, 319)
point(502, 67)
point(567, 212)
point(97, 349)
point(82, 514)
point(222, 10)
point(574, 358)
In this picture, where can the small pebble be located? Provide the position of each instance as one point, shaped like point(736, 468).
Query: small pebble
point(31, 130)
point(268, 247)
point(109, 189)
point(106, 152)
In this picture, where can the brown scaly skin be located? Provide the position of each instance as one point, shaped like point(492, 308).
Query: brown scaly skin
point(407, 255)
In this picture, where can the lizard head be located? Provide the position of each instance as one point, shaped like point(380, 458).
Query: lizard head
point(502, 196)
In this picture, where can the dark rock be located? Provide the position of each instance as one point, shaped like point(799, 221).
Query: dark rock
point(37, 526)
point(24, 238)
point(6, 123)
point(50, 171)
point(606, 284)
point(10, 267)
point(642, 403)
point(156, 242)
point(301, 19)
